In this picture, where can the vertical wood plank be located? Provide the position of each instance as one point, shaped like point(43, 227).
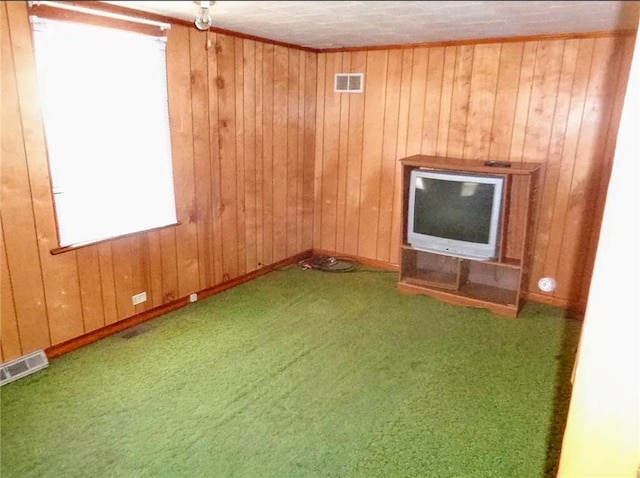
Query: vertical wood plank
point(280, 141)
point(375, 94)
point(523, 100)
point(319, 149)
point(432, 96)
point(389, 148)
point(300, 185)
point(355, 158)
point(505, 101)
point(445, 100)
point(201, 156)
point(90, 288)
point(123, 276)
point(250, 185)
point(225, 49)
point(267, 148)
point(169, 264)
point(240, 137)
point(217, 208)
point(108, 283)
point(293, 126)
point(482, 94)
point(141, 270)
point(259, 159)
point(180, 117)
point(460, 100)
point(343, 160)
point(308, 191)
point(154, 252)
point(415, 130)
point(546, 77)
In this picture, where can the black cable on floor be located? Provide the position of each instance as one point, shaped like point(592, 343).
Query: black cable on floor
point(330, 264)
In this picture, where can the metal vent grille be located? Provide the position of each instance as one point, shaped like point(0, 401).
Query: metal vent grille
point(349, 83)
point(23, 366)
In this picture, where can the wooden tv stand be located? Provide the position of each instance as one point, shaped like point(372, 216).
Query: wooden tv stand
point(497, 285)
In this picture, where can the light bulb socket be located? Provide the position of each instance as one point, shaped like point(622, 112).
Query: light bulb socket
point(203, 20)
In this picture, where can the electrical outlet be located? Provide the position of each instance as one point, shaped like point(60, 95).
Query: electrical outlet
point(193, 297)
point(547, 284)
point(139, 298)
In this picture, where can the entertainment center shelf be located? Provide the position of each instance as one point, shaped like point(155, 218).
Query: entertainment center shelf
point(495, 284)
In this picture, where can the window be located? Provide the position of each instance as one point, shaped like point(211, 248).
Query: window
point(105, 109)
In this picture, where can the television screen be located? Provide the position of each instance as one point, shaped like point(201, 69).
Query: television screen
point(455, 214)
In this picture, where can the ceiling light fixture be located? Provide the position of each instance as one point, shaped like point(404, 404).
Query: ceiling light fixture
point(203, 19)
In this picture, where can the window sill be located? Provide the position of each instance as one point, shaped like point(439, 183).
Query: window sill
point(73, 247)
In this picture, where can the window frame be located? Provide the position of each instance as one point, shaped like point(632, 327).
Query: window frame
point(102, 16)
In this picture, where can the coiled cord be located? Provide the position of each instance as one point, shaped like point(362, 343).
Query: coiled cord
point(330, 264)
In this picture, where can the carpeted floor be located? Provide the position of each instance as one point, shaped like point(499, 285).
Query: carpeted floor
point(302, 374)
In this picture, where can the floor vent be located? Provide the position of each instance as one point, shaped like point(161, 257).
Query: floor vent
point(23, 366)
point(135, 331)
point(349, 83)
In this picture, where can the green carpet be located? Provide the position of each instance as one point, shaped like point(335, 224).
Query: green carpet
point(302, 374)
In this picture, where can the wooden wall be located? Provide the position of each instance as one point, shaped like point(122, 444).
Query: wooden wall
point(243, 125)
point(553, 101)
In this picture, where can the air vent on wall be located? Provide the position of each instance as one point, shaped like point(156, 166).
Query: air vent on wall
point(349, 83)
point(23, 366)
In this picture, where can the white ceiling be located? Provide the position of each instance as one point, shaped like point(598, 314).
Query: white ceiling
point(335, 24)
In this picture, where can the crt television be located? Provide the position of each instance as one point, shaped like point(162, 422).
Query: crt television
point(455, 213)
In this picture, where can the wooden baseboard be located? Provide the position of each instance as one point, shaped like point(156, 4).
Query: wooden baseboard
point(112, 329)
point(575, 310)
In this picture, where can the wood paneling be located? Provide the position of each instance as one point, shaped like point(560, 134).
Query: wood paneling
point(242, 115)
point(555, 101)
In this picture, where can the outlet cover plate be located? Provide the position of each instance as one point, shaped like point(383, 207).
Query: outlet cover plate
point(139, 298)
